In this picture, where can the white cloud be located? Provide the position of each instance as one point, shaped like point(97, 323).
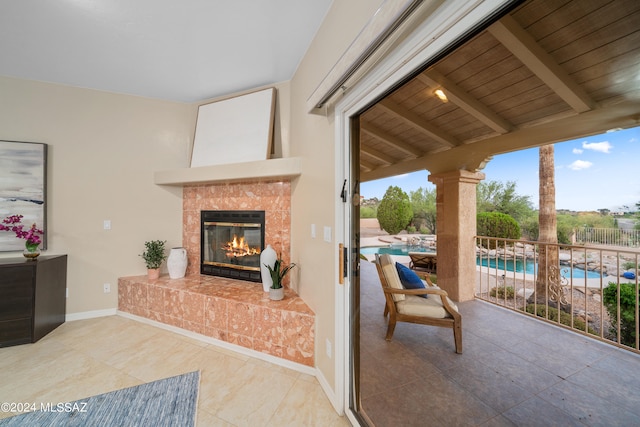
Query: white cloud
point(577, 151)
point(603, 147)
point(404, 175)
point(580, 164)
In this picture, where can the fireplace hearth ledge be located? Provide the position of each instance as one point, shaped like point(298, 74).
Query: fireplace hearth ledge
point(271, 169)
point(234, 311)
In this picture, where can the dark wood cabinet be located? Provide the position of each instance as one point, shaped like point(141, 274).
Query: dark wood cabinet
point(32, 298)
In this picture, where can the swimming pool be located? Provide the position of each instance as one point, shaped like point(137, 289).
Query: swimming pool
point(520, 266)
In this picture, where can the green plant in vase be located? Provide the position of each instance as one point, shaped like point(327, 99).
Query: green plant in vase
point(31, 235)
point(154, 256)
point(278, 273)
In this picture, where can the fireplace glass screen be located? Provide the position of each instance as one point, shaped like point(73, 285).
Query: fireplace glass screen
point(231, 243)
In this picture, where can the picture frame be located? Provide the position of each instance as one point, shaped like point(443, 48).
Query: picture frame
point(23, 189)
point(235, 130)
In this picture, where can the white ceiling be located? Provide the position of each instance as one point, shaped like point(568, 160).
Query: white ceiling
point(180, 50)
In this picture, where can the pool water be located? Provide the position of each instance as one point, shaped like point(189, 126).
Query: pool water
point(520, 266)
point(530, 267)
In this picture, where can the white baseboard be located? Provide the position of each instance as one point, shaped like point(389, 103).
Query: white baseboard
point(69, 317)
point(337, 406)
point(223, 344)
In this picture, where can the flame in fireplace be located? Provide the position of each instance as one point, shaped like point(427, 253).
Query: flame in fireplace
point(239, 248)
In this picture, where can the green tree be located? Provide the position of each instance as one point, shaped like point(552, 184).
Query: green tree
point(423, 203)
point(495, 196)
point(394, 212)
point(497, 224)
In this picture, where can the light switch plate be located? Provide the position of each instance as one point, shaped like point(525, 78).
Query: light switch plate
point(327, 234)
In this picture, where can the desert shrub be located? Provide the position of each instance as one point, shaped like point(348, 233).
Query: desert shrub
point(503, 292)
point(627, 310)
point(530, 228)
point(367, 212)
point(496, 224)
point(424, 230)
point(565, 318)
point(394, 212)
point(411, 229)
point(630, 265)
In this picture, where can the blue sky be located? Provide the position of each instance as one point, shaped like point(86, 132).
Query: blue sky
point(597, 172)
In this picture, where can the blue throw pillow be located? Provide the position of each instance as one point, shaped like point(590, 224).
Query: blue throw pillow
point(409, 278)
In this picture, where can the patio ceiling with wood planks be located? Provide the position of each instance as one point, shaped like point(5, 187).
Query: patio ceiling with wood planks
point(549, 71)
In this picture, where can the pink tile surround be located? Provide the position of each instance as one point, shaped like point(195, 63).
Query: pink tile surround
point(273, 197)
point(234, 311)
point(229, 310)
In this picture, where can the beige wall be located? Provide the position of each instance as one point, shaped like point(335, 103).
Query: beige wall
point(314, 194)
point(103, 150)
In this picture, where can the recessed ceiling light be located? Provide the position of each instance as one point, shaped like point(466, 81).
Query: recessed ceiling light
point(441, 95)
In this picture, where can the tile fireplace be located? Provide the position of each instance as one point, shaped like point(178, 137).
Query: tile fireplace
point(271, 197)
point(235, 311)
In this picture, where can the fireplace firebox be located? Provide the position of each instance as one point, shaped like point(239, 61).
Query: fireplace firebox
point(230, 244)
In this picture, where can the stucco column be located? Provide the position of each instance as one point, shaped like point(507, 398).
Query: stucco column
point(456, 226)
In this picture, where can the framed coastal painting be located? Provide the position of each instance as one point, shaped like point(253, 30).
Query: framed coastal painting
point(23, 189)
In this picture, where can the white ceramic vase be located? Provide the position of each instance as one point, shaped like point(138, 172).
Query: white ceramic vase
point(177, 263)
point(268, 256)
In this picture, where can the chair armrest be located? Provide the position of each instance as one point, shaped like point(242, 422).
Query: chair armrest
point(426, 291)
point(430, 291)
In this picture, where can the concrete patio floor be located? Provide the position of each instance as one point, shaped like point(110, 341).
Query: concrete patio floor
point(515, 371)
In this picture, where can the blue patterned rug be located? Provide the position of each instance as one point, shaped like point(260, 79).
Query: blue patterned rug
point(169, 402)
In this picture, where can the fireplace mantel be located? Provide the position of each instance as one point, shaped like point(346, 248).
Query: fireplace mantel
point(289, 167)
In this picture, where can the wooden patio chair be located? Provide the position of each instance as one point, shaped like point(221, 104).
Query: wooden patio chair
point(423, 260)
point(407, 305)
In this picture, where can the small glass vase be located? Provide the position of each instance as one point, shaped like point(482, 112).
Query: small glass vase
point(31, 251)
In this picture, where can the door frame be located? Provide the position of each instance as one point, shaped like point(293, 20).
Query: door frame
point(439, 31)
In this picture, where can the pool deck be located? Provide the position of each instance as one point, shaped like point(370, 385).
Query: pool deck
point(595, 283)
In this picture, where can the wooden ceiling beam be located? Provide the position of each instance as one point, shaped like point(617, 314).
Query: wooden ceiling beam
point(465, 101)
point(384, 158)
point(418, 123)
point(512, 36)
point(472, 157)
point(387, 138)
point(367, 166)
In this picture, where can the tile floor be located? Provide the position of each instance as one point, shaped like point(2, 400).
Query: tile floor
point(89, 357)
point(514, 371)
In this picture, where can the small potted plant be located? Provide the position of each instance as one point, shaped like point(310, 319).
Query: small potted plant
point(154, 256)
point(278, 273)
point(31, 235)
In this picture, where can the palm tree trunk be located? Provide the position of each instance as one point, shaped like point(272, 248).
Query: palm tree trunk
point(548, 258)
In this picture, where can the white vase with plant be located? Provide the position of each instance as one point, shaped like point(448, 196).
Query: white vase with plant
point(154, 256)
point(278, 273)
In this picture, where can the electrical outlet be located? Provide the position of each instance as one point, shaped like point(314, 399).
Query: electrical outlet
point(106, 224)
point(107, 288)
point(329, 349)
